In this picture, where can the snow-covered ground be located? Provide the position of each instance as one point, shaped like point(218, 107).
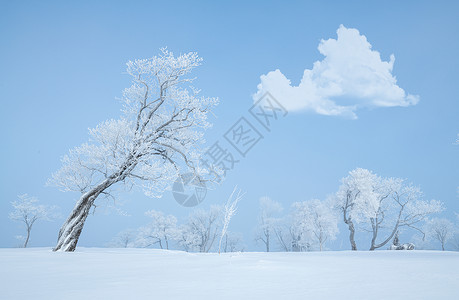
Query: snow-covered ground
point(38, 273)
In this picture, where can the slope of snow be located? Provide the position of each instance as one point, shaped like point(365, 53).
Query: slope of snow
point(38, 273)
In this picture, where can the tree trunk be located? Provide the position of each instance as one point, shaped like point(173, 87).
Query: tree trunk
point(28, 236)
point(375, 234)
point(71, 229)
point(350, 224)
point(267, 243)
point(376, 246)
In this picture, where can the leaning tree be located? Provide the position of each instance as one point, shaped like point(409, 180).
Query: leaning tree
point(157, 138)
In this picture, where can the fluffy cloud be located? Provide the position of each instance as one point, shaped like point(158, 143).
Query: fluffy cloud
point(351, 76)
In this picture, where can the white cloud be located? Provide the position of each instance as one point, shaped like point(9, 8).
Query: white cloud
point(351, 76)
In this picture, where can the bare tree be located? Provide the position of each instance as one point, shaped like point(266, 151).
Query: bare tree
point(28, 211)
point(441, 230)
point(267, 221)
point(229, 210)
point(155, 140)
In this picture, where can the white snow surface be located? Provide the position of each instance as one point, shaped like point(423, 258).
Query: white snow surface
point(100, 273)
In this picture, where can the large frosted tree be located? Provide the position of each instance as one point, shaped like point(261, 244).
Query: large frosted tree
point(156, 138)
point(356, 198)
point(398, 205)
point(381, 206)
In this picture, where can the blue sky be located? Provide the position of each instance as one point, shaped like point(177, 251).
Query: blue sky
point(62, 68)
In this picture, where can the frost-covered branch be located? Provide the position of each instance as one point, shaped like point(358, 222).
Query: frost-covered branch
point(314, 223)
point(267, 221)
point(158, 137)
point(161, 230)
point(201, 230)
point(381, 205)
point(28, 211)
point(229, 210)
point(441, 230)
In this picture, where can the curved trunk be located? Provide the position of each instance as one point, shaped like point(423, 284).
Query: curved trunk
point(375, 226)
point(28, 236)
point(351, 227)
point(348, 220)
point(373, 241)
point(71, 229)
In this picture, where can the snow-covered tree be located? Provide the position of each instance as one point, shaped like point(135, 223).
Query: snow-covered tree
point(156, 139)
point(124, 239)
point(314, 223)
point(201, 229)
point(267, 221)
point(228, 212)
point(440, 229)
point(399, 205)
point(354, 198)
point(381, 205)
point(160, 231)
point(28, 211)
point(188, 239)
